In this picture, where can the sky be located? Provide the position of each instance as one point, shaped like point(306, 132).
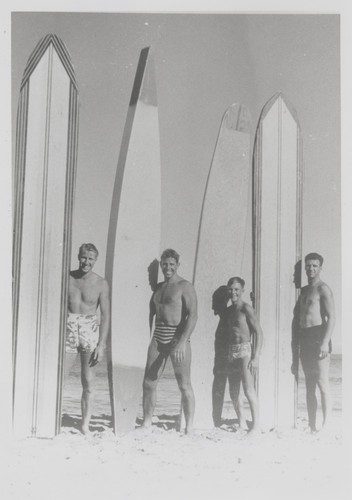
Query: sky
point(204, 62)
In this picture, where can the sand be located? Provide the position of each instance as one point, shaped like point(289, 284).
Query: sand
point(214, 464)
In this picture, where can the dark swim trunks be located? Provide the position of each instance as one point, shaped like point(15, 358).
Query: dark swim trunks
point(310, 341)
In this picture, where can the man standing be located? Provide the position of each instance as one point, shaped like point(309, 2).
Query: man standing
point(223, 368)
point(87, 292)
point(312, 326)
point(174, 305)
point(243, 359)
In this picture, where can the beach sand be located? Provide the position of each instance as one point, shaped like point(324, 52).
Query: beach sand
point(214, 464)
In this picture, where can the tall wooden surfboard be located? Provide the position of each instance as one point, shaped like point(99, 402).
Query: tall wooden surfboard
point(134, 245)
point(221, 245)
point(277, 249)
point(45, 163)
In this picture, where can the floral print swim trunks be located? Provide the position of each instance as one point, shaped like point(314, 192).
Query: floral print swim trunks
point(82, 334)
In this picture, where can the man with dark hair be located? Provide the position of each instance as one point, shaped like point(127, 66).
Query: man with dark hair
point(87, 292)
point(174, 305)
point(312, 327)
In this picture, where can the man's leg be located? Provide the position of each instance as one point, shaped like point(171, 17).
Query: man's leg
point(88, 380)
point(156, 361)
point(324, 387)
point(70, 359)
point(183, 376)
point(218, 392)
point(235, 387)
point(250, 392)
point(310, 369)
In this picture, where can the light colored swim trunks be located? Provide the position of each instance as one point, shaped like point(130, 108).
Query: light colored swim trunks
point(164, 333)
point(238, 351)
point(82, 334)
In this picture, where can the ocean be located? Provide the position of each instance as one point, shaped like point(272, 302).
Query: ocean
point(168, 396)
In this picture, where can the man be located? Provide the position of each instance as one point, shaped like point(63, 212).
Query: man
point(312, 326)
point(222, 370)
point(87, 292)
point(240, 324)
point(174, 305)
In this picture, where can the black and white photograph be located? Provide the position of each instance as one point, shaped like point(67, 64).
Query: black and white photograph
point(176, 215)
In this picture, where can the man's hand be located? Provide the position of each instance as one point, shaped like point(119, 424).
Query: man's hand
point(253, 365)
point(178, 351)
point(97, 355)
point(294, 369)
point(324, 350)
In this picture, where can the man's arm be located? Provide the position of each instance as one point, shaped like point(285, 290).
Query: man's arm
point(294, 339)
point(152, 312)
point(328, 313)
point(104, 302)
point(256, 329)
point(189, 300)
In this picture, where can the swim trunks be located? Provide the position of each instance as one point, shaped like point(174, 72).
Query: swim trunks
point(310, 341)
point(242, 350)
point(164, 333)
point(82, 334)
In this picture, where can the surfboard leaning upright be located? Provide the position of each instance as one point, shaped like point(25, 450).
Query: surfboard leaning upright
point(133, 245)
point(45, 163)
point(277, 250)
point(221, 245)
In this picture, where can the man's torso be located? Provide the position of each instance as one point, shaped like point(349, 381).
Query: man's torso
point(83, 296)
point(310, 307)
point(168, 304)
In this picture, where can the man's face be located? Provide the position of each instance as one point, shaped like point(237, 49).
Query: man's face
point(313, 268)
point(169, 267)
point(87, 259)
point(235, 291)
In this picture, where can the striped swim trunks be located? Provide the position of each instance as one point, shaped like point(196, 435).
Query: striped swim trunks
point(242, 350)
point(82, 334)
point(164, 333)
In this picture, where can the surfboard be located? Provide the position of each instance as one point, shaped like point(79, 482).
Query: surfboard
point(44, 179)
point(277, 250)
point(133, 245)
point(222, 245)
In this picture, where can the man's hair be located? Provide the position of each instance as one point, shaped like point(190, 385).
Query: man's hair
point(314, 256)
point(169, 252)
point(89, 247)
point(236, 279)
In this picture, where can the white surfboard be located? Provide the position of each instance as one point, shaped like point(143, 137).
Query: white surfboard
point(134, 245)
point(46, 151)
point(277, 249)
point(221, 246)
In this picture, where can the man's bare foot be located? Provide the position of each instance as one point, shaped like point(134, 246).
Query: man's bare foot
point(253, 432)
point(85, 429)
point(189, 431)
point(243, 425)
point(145, 427)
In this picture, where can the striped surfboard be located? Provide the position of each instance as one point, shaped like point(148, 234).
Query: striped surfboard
point(44, 180)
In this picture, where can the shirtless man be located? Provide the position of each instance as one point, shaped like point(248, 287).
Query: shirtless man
point(174, 305)
point(241, 322)
point(223, 369)
point(312, 326)
point(87, 292)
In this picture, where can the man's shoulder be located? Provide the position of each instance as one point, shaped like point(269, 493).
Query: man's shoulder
point(185, 284)
point(247, 308)
point(324, 288)
point(99, 279)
